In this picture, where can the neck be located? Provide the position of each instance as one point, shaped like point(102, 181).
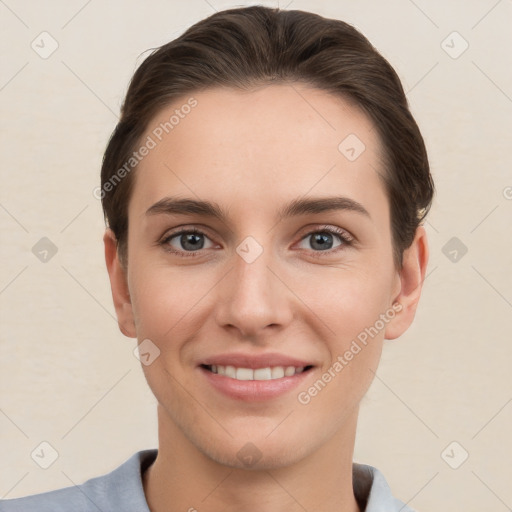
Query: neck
point(184, 479)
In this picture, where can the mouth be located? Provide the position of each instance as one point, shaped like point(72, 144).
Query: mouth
point(254, 379)
point(258, 374)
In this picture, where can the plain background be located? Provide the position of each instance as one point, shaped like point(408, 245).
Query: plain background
point(68, 376)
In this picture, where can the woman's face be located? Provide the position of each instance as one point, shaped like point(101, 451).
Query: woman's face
point(269, 282)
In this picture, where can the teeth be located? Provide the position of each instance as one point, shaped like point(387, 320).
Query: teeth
point(276, 372)
point(230, 372)
point(244, 374)
point(262, 374)
point(289, 371)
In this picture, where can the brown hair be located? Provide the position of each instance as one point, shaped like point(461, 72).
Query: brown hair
point(253, 46)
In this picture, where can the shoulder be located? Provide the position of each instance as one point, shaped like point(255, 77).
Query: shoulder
point(60, 500)
point(121, 489)
point(372, 490)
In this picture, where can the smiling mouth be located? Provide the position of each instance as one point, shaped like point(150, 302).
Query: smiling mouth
point(267, 373)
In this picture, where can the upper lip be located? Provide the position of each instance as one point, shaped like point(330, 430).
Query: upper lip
point(254, 361)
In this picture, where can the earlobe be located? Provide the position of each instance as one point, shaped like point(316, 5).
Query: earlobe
point(119, 286)
point(411, 276)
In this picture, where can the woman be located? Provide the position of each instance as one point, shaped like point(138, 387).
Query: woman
point(264, 192)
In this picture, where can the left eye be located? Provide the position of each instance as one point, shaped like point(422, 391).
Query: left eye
point(323, 240)
point(190, 240)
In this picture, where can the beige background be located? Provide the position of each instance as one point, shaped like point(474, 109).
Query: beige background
point(69, 377)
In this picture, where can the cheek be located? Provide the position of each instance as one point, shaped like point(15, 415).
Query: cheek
point(165, 298)
point(348, 302)
point(352, 308)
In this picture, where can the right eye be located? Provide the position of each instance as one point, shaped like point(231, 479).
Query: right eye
point(191, 240)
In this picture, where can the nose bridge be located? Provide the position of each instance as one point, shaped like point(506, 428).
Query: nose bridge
point(253, 297)
point(251, 272)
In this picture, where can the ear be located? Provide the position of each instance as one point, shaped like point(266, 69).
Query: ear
point(119, 286)
point(410, 277)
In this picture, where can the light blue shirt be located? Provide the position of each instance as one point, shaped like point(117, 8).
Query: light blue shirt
point(121, 490)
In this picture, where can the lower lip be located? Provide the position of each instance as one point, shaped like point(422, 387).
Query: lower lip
point(253, 390)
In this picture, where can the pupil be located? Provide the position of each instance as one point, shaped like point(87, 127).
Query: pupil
point(323, 240)
point(192, 238)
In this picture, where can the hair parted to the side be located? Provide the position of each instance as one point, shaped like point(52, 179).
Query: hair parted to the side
point(253, 46)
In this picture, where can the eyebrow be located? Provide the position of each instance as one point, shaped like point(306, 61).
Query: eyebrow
point(300, 206)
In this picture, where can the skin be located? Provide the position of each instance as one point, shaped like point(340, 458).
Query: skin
point(251, 153)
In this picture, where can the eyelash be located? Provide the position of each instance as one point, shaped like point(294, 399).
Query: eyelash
point(346, 241)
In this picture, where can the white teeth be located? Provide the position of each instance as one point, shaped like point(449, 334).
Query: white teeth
point(263, 374)
point(244, 374)
point(277, 372)
point(289, 371)
point(268, 373)
point(230, 372)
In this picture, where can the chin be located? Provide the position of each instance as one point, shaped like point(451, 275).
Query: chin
point(256, 454)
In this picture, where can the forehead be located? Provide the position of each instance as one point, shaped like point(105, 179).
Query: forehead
point(269, 144)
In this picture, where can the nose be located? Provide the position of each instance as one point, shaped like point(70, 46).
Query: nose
point(253, 298)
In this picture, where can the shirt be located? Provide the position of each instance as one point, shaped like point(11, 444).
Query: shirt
point(122, 490)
